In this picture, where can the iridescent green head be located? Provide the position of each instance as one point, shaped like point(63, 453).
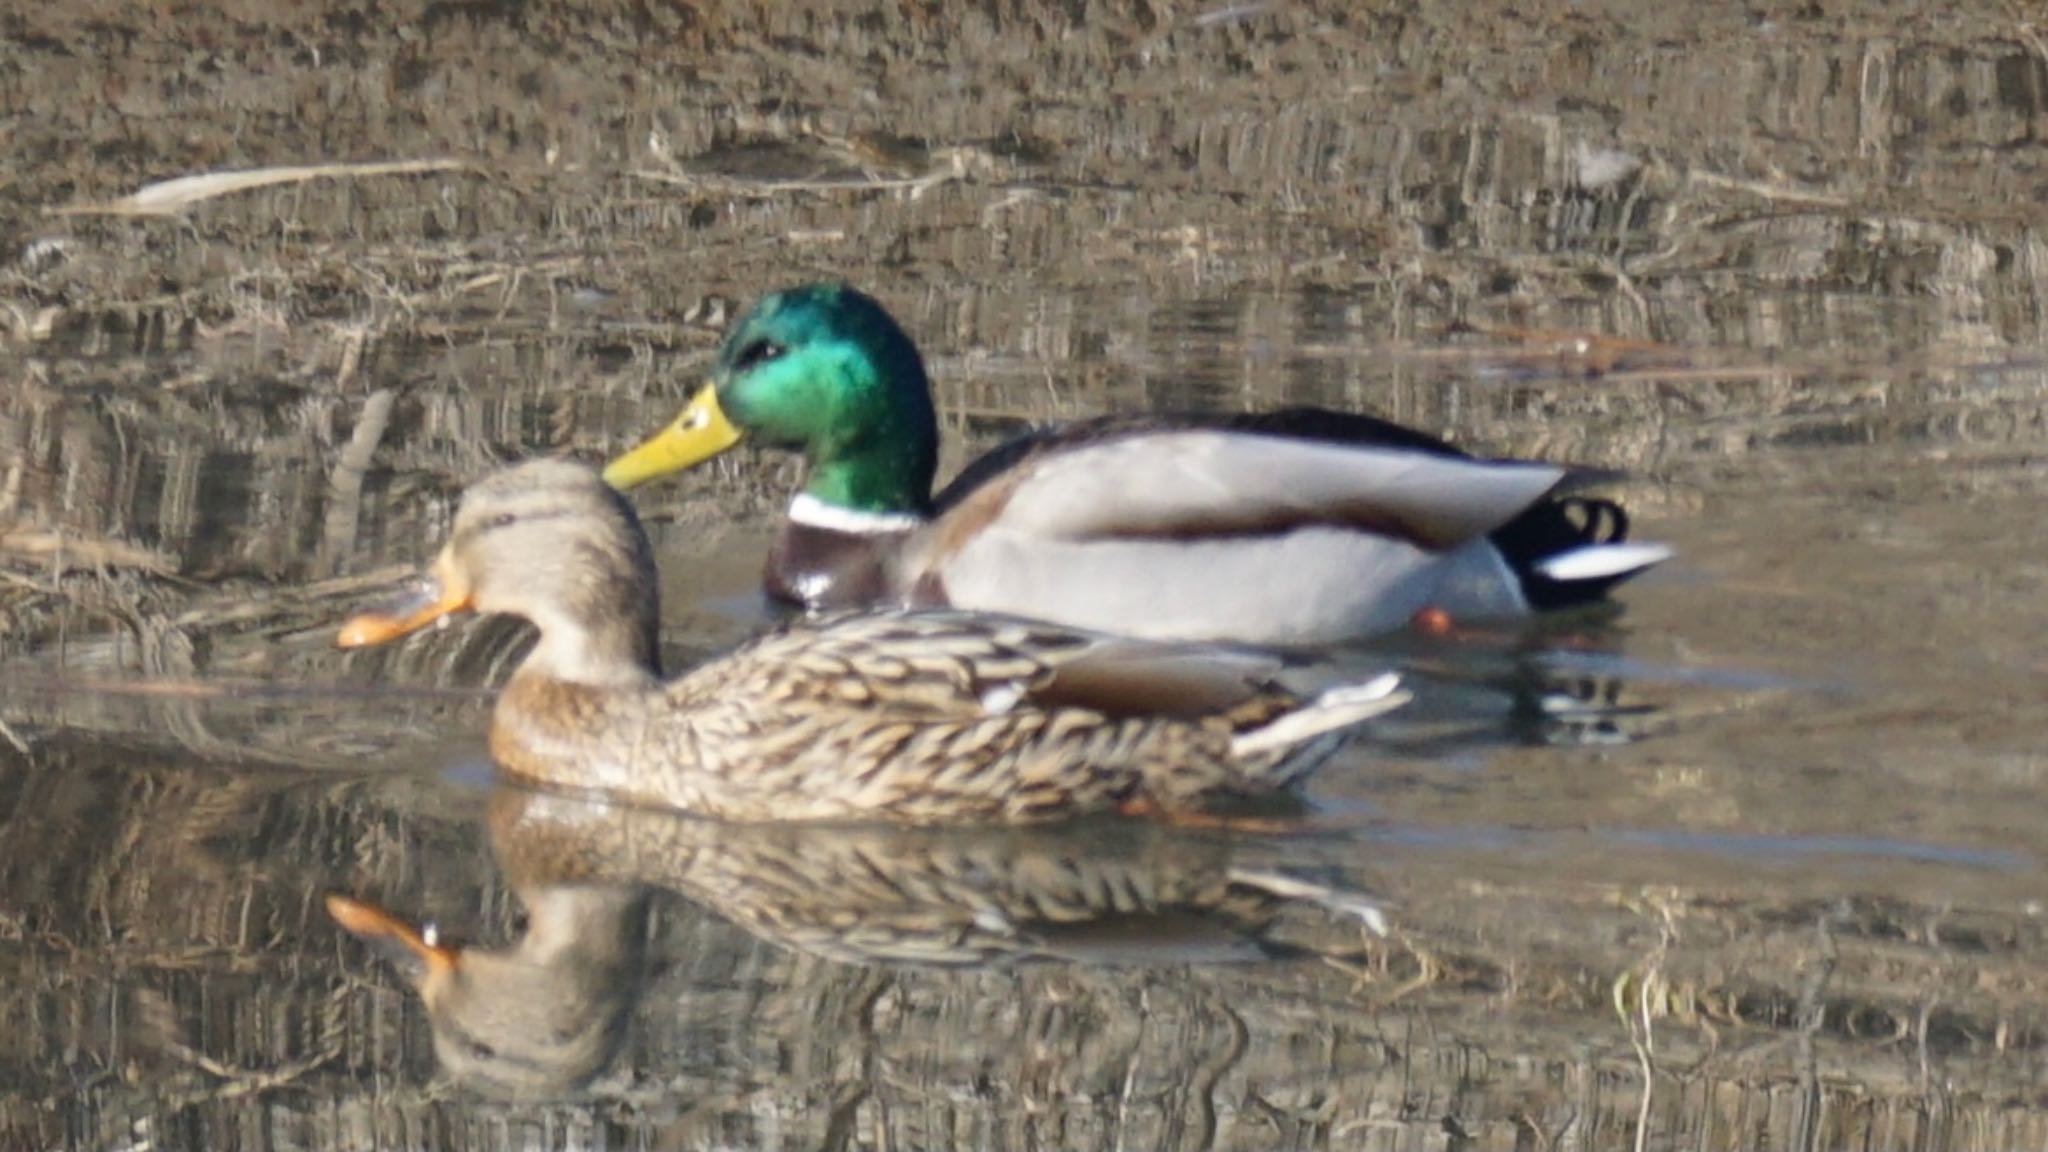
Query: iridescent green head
point(822, 369)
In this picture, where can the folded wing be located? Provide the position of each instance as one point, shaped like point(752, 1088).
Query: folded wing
point(1198, 483)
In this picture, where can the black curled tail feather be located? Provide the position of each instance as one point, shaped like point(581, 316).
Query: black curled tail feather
point(1553, 527)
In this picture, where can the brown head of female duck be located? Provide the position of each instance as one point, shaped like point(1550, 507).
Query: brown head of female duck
point(540, 543)
point(921, 717)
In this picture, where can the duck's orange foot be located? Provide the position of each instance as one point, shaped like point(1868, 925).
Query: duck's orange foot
point(1139, 806)
point(1431, 621)
point(1143, 807)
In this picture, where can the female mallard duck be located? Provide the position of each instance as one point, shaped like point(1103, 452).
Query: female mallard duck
point(1293, 527)
point(924, 718)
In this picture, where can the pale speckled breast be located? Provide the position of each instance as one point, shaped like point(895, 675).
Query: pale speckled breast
point(568, 735)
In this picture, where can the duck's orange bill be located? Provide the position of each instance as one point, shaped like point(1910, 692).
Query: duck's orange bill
point(432, 602)
point(388, 934)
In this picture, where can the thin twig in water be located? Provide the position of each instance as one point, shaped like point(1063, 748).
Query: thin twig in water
point(1768, 191)
point(345, 485)
point(1649, 986)
point(1644, 1040)
point(915, 185)
point(238, 1082)
point(12, 737)
point(2027, 32)
point(1232, 14)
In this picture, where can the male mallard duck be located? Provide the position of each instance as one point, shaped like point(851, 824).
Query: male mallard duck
point(1299, 526)
point(915, 717)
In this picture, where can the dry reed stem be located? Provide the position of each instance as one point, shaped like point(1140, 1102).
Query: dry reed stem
point(67, 552)
point(168, 197)
point(1772, 192)
point(739, 186)
point(2028, 31)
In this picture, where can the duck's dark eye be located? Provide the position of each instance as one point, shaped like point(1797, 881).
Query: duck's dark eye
point(757, 353)
point(501, 520)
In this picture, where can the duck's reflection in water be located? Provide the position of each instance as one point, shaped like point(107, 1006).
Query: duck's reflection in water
point(538, 1019)
point(1564, 681)
point(546, 1015)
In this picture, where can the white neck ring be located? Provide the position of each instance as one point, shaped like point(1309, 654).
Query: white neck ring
point(812, 512)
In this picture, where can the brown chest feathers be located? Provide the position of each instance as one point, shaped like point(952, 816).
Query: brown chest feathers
point(568, 735)
point(818, 567)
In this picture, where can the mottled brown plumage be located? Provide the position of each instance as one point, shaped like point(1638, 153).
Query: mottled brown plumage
point(947, 896)
point(905, 716)
point(545, 1015)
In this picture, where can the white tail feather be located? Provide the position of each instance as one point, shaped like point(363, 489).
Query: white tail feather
point(1363, 908)
point(1603, 561)
point(1337, 708)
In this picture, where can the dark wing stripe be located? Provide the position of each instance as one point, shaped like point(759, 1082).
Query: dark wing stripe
point(1317, 425)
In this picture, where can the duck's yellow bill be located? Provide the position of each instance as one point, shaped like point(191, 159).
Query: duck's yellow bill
point(436, 600)
point(700, 433)
point(391, 936)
